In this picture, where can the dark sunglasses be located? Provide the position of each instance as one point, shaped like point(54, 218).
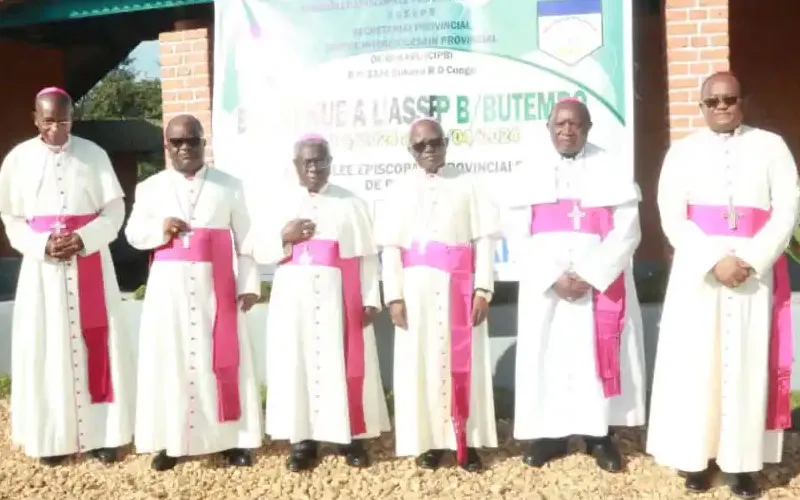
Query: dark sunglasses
point(715, 101)
point(191, 142)
point(421, 146)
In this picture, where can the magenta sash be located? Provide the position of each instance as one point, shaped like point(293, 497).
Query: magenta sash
point(215, 246)
point(326, 253)
point(459, 262)
point(711, 219)
point(92, 309)
point(609, 304)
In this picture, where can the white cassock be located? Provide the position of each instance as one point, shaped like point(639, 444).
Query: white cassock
point(709, 395)
point(177, 394)
point(560, 393)
point(307, 383)
point(424, 209)
point(52, 412)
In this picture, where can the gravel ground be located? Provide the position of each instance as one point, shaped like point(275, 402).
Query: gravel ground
point(572, 478)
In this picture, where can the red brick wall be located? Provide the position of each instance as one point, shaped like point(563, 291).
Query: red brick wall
point(186, 56)
point(26, 70)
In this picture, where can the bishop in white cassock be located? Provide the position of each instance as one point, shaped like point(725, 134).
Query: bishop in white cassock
point(580, 350)
point(196, 390)
point(728, 200)
point(438, 233)
point(71, 376)
point(323, 379)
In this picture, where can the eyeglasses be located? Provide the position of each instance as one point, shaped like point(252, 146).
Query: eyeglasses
point(54, 123)
point(191, 142)
point(315, 164)
point(715, 101)
point(436, 143)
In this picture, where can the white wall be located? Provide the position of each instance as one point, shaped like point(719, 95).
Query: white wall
point(502, 323)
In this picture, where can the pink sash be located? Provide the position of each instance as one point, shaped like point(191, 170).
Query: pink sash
point(326, 253)
point(216, 247)
point(609, 304)
point(711, 219)
point(459, 262)
point(91, 305)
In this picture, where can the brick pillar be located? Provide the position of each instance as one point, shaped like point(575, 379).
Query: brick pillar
point(697, 45)
point(186, 57)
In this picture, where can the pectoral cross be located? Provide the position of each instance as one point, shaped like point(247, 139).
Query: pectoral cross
point(185, 238)
point(305, 257)
point(58, 226)
point(732, 216)
point(576, 215)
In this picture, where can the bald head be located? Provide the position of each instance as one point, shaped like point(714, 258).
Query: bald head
point(184, 143)
point(721, 102)
point(312, 161)
point(569, 125)
point(52, 115)
point(427, 144)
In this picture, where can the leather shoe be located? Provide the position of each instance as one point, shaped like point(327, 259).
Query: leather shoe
point(473, 463)
point(744, 486)
point(54, 460)
point(303, 456)
point(545, 450)
point(163, 462)
point(431, 459)
point(698, 481)
point(354, 454)
point(605, 453)
point(105, 455)
point(238, 457)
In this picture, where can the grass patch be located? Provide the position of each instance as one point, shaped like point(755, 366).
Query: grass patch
point(266, 289)
point(5, 387)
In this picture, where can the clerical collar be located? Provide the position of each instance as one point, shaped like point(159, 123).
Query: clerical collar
point(572, 156)
point(321, 190)
point(190, 177)
point(56, 149)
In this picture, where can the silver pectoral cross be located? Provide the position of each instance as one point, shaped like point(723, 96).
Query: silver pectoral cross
point(576, 215)
point(185, 238)
point(733, 216)
point(305, 257)
point(58, 226)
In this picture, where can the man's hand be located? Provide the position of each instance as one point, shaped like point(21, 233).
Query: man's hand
point(563, 286)
point(578, 287)
point(397, 311)
point(247, 301)
point(731, 271)
point(174, 226)
point(480, 310)
point(63, 246)
point(369, 314)
point(297, 231)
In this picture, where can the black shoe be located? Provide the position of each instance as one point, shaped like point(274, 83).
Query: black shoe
point(473, 463)
point(605, 453)
point(744, 486)
point(545, 450)
point(238, 457)
point(698, 481)
point(354, 454)
point(105, 455)
point(303, 456)
point(54, 460)
point(431, 459)
point(163, 462)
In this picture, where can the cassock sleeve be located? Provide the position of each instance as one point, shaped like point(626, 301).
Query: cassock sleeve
point(392, 274)
point(608, 260)
point(766, 246)
point(370, 281)
point(247, 276)
point(22, 238)
point(683, 234)
point(109, 195)
point(487, 228)
point(145, 231)
point(264, 242)
point(484, 263)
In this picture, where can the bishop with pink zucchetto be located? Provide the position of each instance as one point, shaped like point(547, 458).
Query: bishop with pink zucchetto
point(62, 205)
point(438, 231)
point(580, 351)
point(322, 361)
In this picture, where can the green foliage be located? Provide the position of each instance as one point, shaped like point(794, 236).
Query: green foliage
point(138, 294)
point(266, 289)
point(5, 387)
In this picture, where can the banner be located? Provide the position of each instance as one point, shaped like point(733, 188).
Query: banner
point(360, 71)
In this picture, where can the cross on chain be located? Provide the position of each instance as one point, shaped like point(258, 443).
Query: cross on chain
point(58, 226)
point(732, 216)
point(185, 236)
point(576, 215)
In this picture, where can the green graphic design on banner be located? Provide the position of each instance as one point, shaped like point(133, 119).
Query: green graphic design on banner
point(360, 71)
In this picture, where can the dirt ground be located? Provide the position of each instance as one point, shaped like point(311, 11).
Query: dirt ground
point(573, 478)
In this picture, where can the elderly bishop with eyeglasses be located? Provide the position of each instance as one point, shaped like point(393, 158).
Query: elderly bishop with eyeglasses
point(196, 390)
point(728, 199)
point(438, 230)
point(62, 205)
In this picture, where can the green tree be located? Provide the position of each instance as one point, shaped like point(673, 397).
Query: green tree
point(124, 95)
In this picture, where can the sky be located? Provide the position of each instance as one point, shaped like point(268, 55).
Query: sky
point(145, 59)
